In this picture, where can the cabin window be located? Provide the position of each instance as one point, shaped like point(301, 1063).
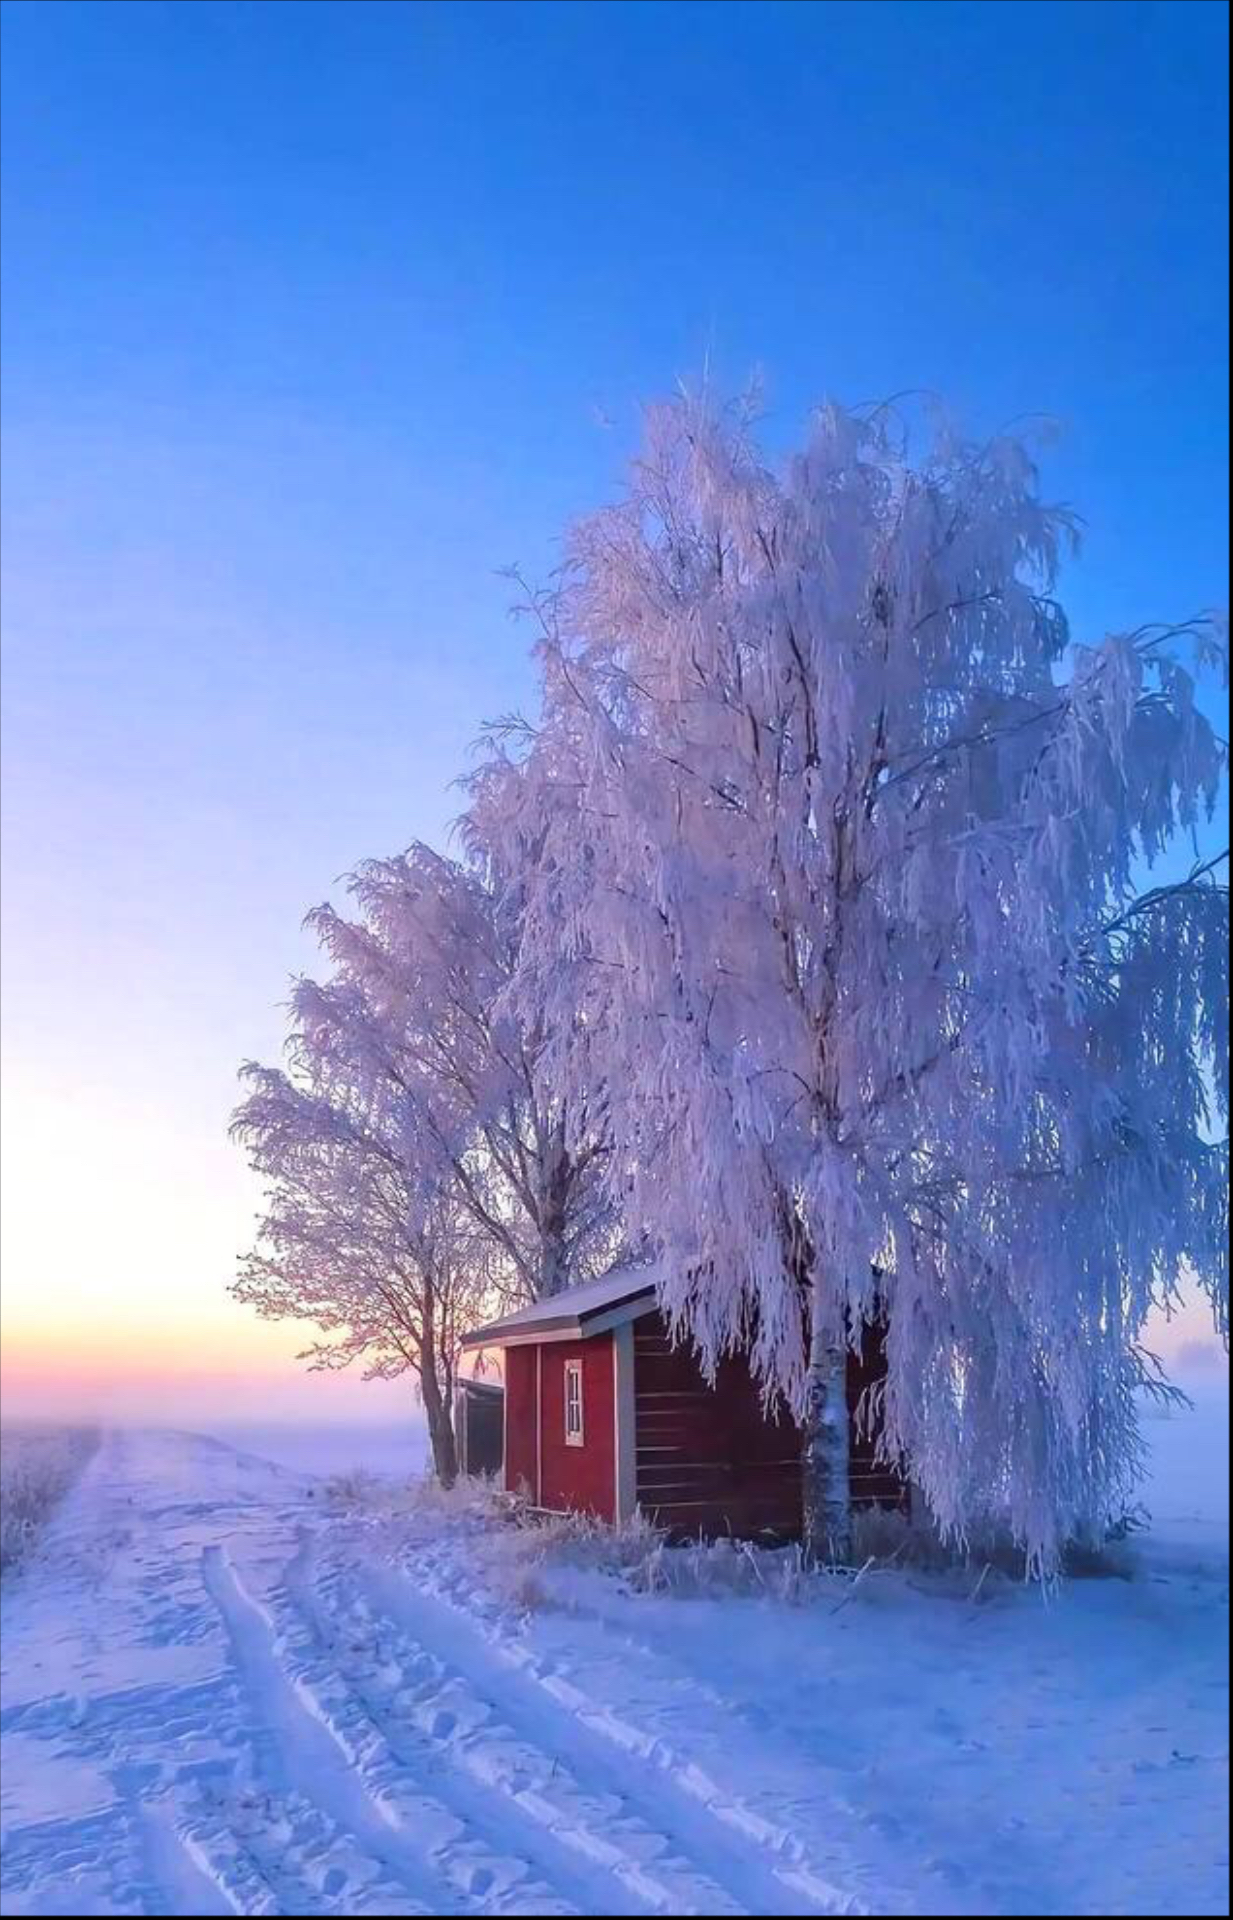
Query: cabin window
point(573, 1403)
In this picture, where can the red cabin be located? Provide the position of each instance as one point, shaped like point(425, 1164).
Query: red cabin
point(604, 1415)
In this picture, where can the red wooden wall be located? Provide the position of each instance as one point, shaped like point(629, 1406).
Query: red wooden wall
point(582, 1478)
point(708, 1459)
point(520, 1452)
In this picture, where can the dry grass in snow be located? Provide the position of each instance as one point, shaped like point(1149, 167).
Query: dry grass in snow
point(37, 1467)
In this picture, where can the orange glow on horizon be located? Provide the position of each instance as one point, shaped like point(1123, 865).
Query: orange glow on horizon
point(130, 1346)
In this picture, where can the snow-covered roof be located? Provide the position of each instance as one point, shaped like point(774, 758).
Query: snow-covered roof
point(624, 1293)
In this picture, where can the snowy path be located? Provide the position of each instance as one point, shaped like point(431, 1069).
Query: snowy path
point(205, 1714)
point(217, 1697)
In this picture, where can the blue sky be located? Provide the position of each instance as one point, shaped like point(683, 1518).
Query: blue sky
point(316, 315)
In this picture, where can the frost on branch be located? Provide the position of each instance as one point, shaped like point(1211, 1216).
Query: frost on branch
point(837, 905)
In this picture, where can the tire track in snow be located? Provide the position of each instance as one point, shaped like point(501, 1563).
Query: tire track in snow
point(283, 1854)
point(788, 1862)
point(314, 1761)
point(629, 1866)
point(899, 1883)
point(346, 1639)
point(507, 1716)
point(182, 1868)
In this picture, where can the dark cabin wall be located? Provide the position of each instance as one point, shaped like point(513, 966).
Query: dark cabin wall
point(479, 1422)
point(582, 1479)
point(709, 1461)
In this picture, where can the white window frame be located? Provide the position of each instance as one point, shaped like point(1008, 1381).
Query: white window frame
point(573, 1404)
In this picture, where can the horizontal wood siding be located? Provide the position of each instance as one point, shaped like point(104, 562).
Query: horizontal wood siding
point(520, 1474)
point(581, 1479)
point(709, 1460)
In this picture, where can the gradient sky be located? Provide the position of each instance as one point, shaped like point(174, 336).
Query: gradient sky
point(315, 316)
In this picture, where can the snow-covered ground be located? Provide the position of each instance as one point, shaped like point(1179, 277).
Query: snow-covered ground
point(38, 1464)
point(333, 1447)
point(221, 1692)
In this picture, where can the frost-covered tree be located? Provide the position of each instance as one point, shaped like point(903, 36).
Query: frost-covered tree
point(431, 948)
point(417, 1163)
point(349, 1241)
point(839, 847)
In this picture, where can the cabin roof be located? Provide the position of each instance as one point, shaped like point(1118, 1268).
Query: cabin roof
point(624, 1293)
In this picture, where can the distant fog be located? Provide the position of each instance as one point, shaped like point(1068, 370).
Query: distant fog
point(202, 1401)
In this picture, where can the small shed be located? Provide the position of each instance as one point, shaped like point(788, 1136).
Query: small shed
point(479, 1424)
point(604, 1414)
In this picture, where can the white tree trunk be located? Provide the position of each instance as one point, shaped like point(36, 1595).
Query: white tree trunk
point(826, 1498)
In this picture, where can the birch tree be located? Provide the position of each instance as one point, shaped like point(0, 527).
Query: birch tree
point(839, 899)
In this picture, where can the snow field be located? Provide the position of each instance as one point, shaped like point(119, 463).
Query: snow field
point(222, 1691)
